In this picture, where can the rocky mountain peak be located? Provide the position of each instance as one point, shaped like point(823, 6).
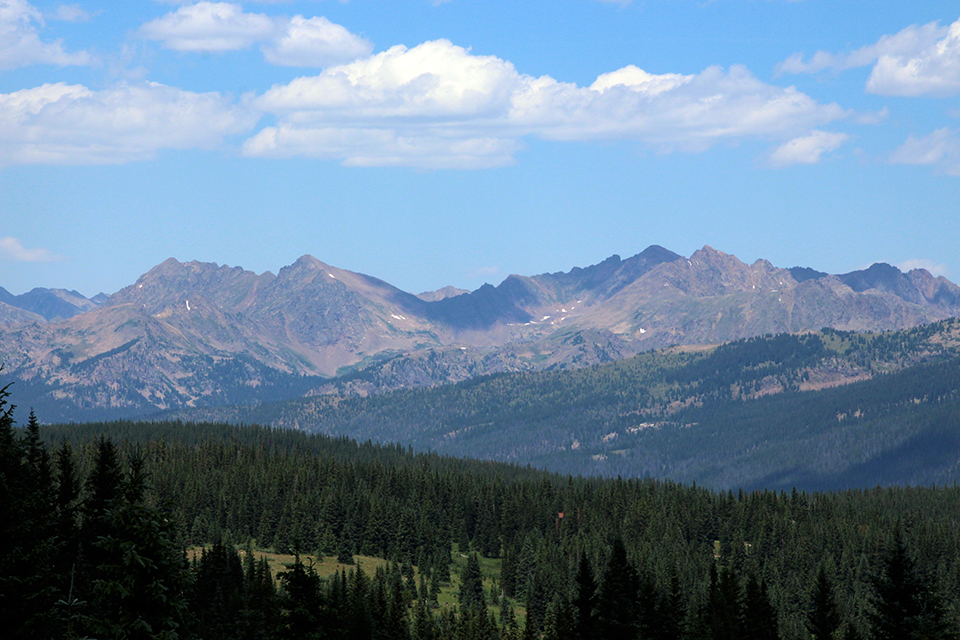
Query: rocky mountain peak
point(190, 320)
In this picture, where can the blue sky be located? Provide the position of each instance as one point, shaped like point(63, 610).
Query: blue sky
point(453, 143)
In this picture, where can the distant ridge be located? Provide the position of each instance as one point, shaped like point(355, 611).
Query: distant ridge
point(200, 334)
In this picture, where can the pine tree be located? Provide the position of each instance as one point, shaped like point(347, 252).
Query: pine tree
point(29, 583)
point(301, 601)
point(905, 605)
point(261, 611)
point(823, 618)
point(584, 599)
point(759, 616)
point(560, 621)
point(618, 611)
point(471, 584)
point(217, 593)
point(139, 583)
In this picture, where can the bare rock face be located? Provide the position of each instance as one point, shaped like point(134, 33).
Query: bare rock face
point(188, 334)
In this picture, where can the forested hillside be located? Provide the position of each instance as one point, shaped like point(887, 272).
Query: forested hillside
point(818, 411)
point(94, 523)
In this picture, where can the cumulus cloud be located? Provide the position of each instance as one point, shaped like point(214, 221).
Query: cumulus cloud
point(12, 249)
point(807, 149)
point(71, 124)
point(940, 150)
point(438, 105)
point(314, 42)
point(435, 105)
point(218, 27)
point(919, 60)
point(20, 43)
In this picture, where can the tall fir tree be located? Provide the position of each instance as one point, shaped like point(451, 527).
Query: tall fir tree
point(906, 606)
point(618, 609)
point(471, 584)
point(584, 598)
point(823, 618)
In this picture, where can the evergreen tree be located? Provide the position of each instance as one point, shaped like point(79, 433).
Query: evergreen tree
point(905, 605)
point(560, 621)
point(217, 593)
point(423, 624)
point(618, 610)
point(759, 616)
point(138, 585)
point(29, 583)
point(261, 611)
point(301, 602)
point(536, 597)
point(823, 618)
point(471, 584)
point(584, 598)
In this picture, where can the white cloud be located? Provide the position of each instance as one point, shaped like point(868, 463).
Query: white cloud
point(314, 42)
point(218, 27)
point(940, 150)
point(212, 27)
point(12, 249)
point(71, 124)
point(931, 266)
point(435, 105)
point(438, 105)
point(639, 80)
point(20, 43)
point(807, 149)
point(919, 60)
point(935, 70)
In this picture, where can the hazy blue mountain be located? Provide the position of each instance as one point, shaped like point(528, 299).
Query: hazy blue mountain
point(50, 304)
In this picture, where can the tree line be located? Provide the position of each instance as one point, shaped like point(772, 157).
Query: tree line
point(94, 532)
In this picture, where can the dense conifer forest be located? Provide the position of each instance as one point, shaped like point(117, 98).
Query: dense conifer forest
point(761, 413)
point(96, 520)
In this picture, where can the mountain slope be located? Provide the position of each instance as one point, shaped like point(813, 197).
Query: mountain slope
point(761, 412)
point(155, 344)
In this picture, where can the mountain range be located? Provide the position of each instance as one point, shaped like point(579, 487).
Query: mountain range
point(200, 334)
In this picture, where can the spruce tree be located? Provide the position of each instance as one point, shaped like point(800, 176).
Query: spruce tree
point(138, 586)
point(618, 610)
point(471, 584)
point(584, 598)
point(823, 618)
point(759, 616)
point(301, 601)
point(29, 580)
point(906, 607)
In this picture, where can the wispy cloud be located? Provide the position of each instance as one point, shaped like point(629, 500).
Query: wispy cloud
point(71, 13)
point(940, 150)
point(484, 272)
point(12, 249)
point(807, 149)
point(919, 60)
